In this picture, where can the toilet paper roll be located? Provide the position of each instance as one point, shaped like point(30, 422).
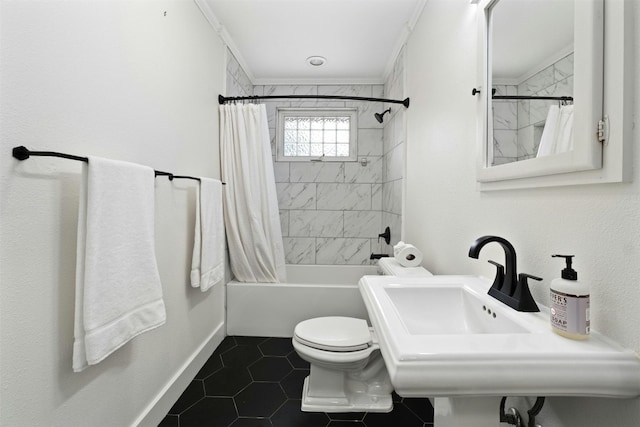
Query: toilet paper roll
point(397, 247)
point(407, 255)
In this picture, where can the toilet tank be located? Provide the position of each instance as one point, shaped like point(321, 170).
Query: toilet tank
point(391, 267)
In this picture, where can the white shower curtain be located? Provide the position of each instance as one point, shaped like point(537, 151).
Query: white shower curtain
point(251, 205)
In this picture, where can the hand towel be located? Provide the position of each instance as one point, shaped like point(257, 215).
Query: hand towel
point(207, 267)
point(118, 290)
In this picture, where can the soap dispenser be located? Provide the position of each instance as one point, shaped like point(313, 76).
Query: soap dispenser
point(569, 304)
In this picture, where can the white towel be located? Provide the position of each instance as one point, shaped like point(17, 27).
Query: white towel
point(564, 132)
point(207, 267)
point(557, 136)
point(118, 290)
point(548, 139)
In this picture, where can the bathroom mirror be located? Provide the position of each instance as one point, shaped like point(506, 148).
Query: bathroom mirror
point(544, 61)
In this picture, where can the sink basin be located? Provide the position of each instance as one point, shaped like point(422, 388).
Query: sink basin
point(444, 310)
point(443, 336)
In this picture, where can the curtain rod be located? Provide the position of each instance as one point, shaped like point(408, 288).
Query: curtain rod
point(224, 99)
point(23, 153)
point(475, 91)
point(552, 98)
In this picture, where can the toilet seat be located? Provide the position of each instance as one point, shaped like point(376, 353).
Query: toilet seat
point(334, 334)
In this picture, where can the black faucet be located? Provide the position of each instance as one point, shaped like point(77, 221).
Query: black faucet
point(506, 288)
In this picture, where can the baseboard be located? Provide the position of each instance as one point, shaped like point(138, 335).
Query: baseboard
point(158, 408)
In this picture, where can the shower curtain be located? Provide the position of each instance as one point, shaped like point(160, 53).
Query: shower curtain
point(251, 206)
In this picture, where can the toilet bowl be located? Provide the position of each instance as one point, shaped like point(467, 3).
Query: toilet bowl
point(347, 373)
point(347, 370)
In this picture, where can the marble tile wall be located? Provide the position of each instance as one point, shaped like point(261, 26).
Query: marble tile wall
point(238, 83)
point(393, 157)
point(331, 213)
point(505, 126)
point(518, 125)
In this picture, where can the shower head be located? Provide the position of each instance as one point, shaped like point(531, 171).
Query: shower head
point(379, 116)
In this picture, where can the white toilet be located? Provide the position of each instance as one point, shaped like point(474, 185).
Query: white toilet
point(348, 373)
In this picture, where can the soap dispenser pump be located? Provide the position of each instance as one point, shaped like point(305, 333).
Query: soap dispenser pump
point(569, 303)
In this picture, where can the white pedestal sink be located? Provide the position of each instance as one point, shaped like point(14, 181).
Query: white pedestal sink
point(443, 337)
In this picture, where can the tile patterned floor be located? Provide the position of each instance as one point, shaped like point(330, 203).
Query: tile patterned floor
point(257, 382)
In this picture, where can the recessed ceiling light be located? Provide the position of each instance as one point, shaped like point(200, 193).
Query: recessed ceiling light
point(316, 61)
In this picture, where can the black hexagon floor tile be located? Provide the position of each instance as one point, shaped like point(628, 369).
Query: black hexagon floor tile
point(211, 412)
point(211, 365)
point(193, 393)
point(297, 361)
point(250, 340)
point(270, 368)
point(290, 415)
point(259, 399)
point(170, 421)
point(252, 422)
point(228, 381)
point(421, 407)
point(276, 347)
point(214, 363)
point(257, 382)
point(293, 383)
point(241, 355)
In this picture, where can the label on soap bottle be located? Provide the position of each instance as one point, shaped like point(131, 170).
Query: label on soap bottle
point(570, 313)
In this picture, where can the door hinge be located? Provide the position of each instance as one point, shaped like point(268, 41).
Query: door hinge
point(603, 130)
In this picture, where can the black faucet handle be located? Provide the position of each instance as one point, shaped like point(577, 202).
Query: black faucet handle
point(523, 294)
point(499, 280)
point(522, 278)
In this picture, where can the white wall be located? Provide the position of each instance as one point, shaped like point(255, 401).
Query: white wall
point(445, 212)
point(125, 81)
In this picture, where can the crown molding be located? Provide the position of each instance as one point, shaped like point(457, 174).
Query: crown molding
point(317, 82)
point(226, 38)
point(404, 37)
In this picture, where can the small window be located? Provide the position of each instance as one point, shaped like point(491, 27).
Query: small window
point(305, 134)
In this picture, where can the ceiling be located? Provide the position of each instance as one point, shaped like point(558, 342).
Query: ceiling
point(528, 34)
point(272, 38)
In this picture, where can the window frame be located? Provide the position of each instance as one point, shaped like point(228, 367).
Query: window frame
point(283, 112)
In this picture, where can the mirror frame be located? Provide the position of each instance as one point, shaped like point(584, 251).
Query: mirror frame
point(588, 108)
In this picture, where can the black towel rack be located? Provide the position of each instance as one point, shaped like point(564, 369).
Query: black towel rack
point(23, 153)
point(225, 99)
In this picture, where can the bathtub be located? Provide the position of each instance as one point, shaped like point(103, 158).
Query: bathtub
point(274, 309)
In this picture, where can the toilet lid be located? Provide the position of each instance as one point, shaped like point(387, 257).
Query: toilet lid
point(334, 333)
